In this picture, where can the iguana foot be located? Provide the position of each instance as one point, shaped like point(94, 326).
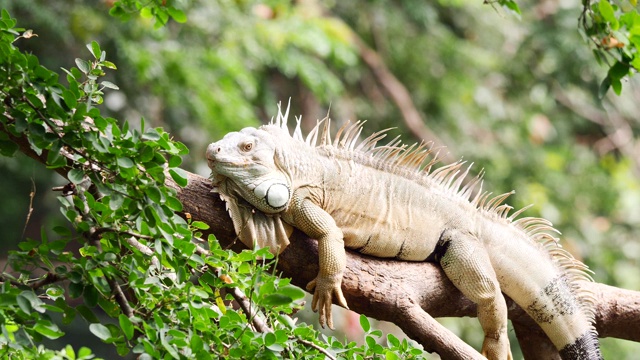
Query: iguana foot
point(325, 288)
point(497, 349)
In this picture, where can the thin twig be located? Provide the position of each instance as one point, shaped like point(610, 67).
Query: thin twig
point(317, 347)
point(50, 278)
point(32, 194)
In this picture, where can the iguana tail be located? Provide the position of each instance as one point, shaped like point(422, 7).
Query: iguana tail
point(545, 281)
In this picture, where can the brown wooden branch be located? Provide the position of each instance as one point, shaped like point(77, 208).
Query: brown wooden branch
point(410, 294)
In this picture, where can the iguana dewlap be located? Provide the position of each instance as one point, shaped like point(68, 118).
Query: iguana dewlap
point(386, 201)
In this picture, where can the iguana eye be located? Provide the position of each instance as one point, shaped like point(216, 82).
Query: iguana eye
point(247, 146)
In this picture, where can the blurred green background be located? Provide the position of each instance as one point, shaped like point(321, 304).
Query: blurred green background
point(516, 96)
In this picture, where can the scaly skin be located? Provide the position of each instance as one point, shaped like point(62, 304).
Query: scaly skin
point(374, 199)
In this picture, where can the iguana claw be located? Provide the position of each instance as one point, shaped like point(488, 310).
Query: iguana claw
point(325, 288)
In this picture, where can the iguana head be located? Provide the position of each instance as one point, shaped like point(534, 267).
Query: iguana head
point(249, 158)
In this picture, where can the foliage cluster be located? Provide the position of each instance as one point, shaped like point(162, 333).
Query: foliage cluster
point(125, 237)
point(614, 28)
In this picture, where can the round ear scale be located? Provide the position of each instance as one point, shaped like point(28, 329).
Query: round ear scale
point(275, 193)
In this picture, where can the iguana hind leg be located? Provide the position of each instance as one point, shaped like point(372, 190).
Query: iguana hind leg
point(467, 264)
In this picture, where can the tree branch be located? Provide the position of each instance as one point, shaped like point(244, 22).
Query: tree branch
point(399, 95)
point(406, 293)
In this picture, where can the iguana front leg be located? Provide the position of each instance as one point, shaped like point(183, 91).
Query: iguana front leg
point(318, 224)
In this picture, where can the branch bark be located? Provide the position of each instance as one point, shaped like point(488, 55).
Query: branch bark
point(410, 294)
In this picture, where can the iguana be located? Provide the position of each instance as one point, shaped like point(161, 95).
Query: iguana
point(388, 201)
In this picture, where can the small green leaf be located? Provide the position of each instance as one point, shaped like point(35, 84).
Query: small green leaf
point(55, 292)
point(179, 176)
point(175, 161)
point(95, 49)
point(69, 352)
point(618, 71)
point(364, 322)
point(604, 87)
point(48, 329)
point(125, 162)
point(109, 65)
point(616, 85)
point(109, 85)
point(90, 295)
point(393, 340)
point(200, 225)
point(8, 148)
point(154, 194)
point(29, 300)
point(83, 65)
point(173, 204)
point(291, 291)
point(389, 355)
point(177, 15)
point(75, 176)
point(269, 339)
point(151, 134)
point(606, 10)
point(115, 201)
point(276, 299)
point(69, 99)
point(126, 325)
point(101, 331)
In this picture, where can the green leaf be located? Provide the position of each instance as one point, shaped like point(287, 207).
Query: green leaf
point(276, 299)
point(95, 49)
point(90, 295)
point(151, 134)
point(125, 162)
point(175, 161)
point(513, 6)
point(109, 85)
point(101, 331)
point(179, 176)
point(8, 148)
point(69, 352)
point(115, 201)
point(200, 225)
point(616, 85)
point(75, 176)
point(48, 329)
point(83, 66)
point(126, 325)
point(604, 87)
point(618, 71)
point(109, 65)
point(69, 99)
point(177, 15)
point(154, 194)
point(393, 340)
point(173, 203)
point(390, 355)
point(364, 322)
point(55, 292)
point(28, 300)
point(291, 291)
point(607, 12)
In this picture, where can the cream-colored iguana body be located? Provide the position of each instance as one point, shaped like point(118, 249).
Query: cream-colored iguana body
point(385, 201)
